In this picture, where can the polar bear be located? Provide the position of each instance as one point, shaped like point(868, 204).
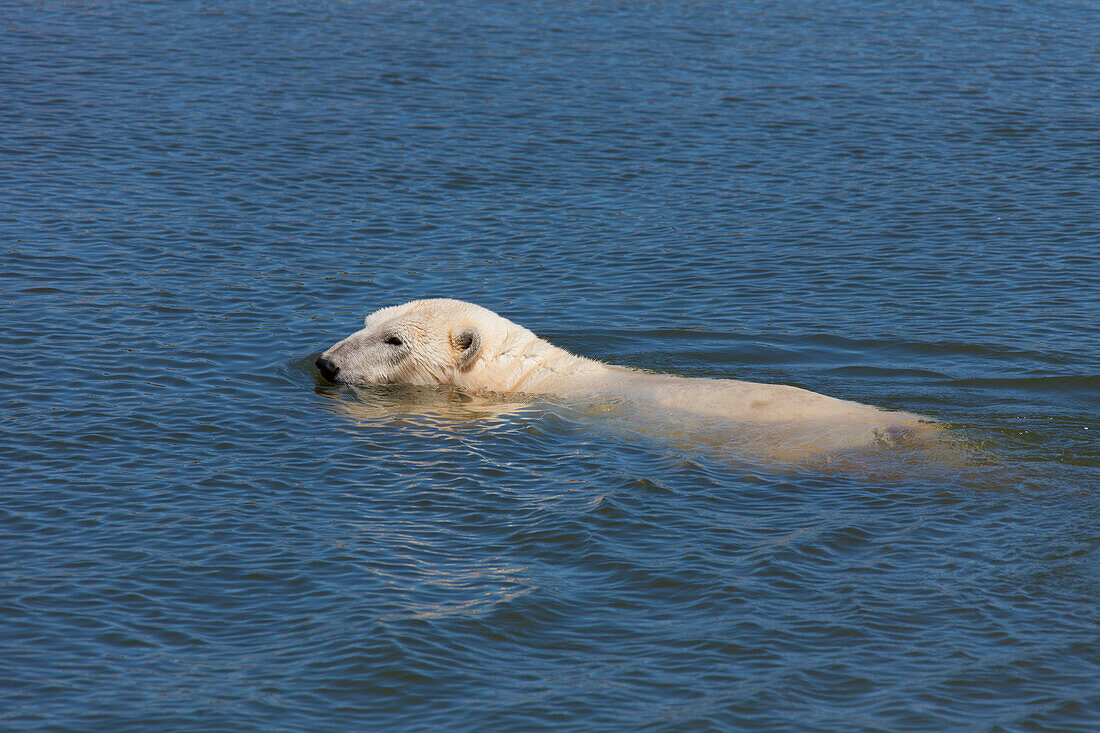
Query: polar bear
point(451, 342)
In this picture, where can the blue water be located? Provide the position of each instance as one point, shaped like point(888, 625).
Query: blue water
point(887, 202)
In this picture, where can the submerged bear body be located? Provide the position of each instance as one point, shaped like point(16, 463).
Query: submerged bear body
point(450, 342)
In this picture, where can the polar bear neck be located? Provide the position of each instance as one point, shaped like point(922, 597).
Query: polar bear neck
point(519, 361)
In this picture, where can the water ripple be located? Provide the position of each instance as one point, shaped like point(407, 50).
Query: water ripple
point(888, 204)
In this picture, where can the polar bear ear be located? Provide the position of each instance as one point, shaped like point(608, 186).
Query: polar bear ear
point(469, 341)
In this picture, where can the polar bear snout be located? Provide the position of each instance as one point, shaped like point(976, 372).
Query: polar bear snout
point(329, 370)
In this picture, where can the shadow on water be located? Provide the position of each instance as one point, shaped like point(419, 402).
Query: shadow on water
point(431, 407)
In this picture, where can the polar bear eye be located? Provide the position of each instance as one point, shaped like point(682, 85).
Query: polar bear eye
point(393, 341)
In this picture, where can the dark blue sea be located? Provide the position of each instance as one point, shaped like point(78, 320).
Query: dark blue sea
point(893, 203)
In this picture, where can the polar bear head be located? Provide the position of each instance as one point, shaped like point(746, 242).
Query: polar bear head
point(424, 342)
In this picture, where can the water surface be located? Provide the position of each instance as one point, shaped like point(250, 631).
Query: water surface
point(890, 204)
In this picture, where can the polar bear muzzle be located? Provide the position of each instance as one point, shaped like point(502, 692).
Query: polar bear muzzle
point(329, 370)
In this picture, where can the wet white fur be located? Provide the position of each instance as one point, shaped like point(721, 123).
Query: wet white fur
point(450, 342)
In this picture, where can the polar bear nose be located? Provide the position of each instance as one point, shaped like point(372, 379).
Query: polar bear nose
point(328, 369)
